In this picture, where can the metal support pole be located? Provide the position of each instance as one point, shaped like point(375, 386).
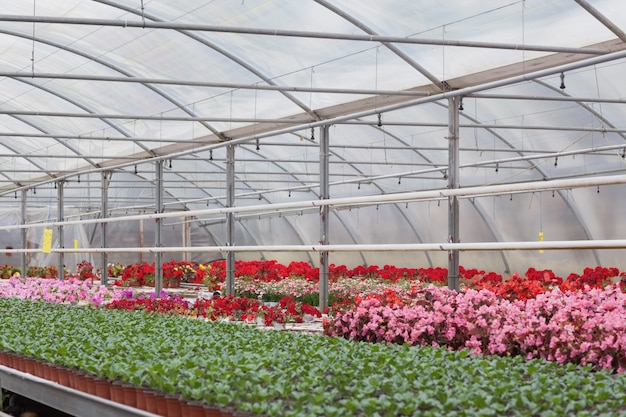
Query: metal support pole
point(24, 262)
point(230, 218)
point(61, 215)
point(187, 237)
point(453, 183)
point(106, 179)
point(158, 269)
point(324, 210)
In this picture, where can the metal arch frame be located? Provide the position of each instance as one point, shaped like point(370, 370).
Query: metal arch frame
point(602, 19)
point(388, 45)
point(117, 69)
point(71, 101)
point(25, 157)
point(409, 103)
point(82, 54)
point(218, 49)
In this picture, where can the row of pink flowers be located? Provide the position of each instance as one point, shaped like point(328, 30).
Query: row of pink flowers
point(70, 291)
point(579, 327)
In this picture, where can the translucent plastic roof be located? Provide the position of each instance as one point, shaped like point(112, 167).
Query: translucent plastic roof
point(94, 86)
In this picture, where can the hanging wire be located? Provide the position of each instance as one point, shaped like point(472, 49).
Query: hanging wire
point(311, 87)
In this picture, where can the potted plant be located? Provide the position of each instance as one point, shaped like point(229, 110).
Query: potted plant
point(50, 271)
point(114, 270)
point(7, 271)
point(85, 271)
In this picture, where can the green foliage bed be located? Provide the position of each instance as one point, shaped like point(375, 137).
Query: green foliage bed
point(284, 374)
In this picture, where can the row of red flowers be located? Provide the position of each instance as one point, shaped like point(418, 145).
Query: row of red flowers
point(213, 275)
point(287, 310)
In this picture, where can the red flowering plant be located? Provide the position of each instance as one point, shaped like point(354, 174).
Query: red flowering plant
point(437, 276)
point(267, 271)
point(597, 277)
point(85, 271)
point(137, 275)
point(303, 270)
point(165, 304)
point(172, 270)
point(288, 310)
point(228, 307)
point(394, 274)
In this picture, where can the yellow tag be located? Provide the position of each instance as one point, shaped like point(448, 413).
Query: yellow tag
point(47, 241)
point(541, 240)
point(75, 243)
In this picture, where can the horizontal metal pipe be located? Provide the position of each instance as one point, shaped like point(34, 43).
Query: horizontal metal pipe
point(230, 86)
point(292, 33)
point(467, 192)
point(393, 247)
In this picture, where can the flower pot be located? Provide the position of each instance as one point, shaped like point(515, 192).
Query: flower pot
point(29, 366)
point(195, 409)
point(141, 401)
point(90, 385)
point(39, 369)
point(77, 380)
point(63, 375)
point(47, 372)
point(129, 395)
point(161, 405)
point(151, 401)
point(173, 406)
point(103, 388)
point(214, 412)
point(117, 392)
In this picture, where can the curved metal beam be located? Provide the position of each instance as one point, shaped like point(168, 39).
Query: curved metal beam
point(216, 48)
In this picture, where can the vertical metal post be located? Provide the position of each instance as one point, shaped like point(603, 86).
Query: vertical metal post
point(158, 267)
point(104, 188)
point(324, 210)
point(24, 234)
point(187, 237)
point(230, 218)
point(61, 218)
point(453, 183)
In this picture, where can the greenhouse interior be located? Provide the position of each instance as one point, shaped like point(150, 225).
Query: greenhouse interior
point(457, 135)
point(193, 109)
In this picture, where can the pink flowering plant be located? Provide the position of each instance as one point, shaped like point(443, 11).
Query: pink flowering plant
point(70, 291)
point(582, 327)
